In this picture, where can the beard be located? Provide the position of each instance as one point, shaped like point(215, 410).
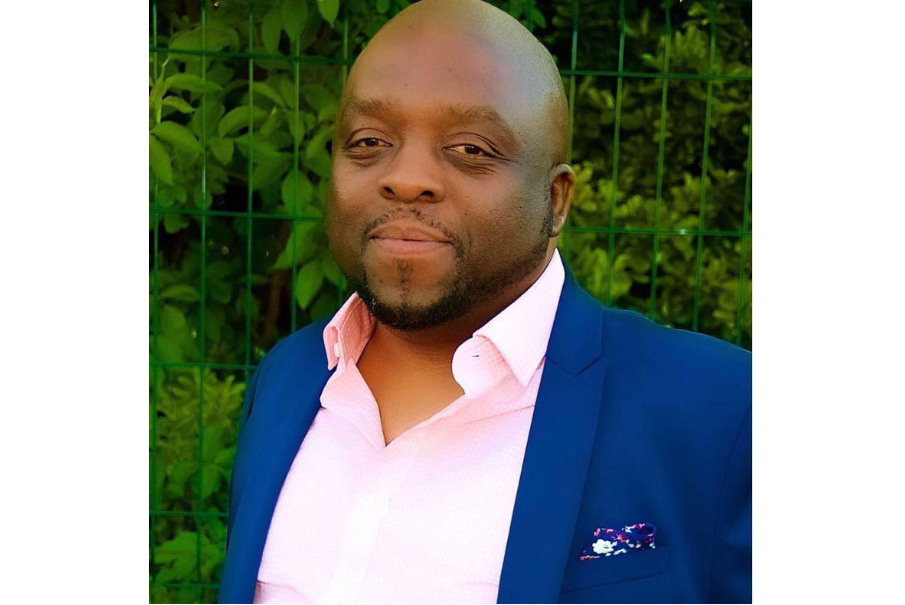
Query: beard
point(466, 289)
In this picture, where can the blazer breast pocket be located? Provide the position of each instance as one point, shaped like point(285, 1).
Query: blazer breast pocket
point(618, 568)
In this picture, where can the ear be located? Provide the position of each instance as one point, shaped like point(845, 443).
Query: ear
point(562, 190)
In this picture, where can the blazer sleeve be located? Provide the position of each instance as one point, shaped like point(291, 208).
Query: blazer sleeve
point(243, 417)
point(731, 579)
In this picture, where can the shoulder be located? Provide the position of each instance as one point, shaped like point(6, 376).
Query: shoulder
point(675, 366)
point(305, 344)
point(635, 334)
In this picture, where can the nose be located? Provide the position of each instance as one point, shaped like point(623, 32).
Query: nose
point(413, 175)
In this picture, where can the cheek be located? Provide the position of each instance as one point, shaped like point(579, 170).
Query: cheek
point(346, 206)
point(502, 223)
point(346, 186)
point(344, 222)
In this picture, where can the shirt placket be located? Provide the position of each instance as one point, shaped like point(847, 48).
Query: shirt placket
point(370, 507)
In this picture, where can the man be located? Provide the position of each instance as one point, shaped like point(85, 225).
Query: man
point(471, 426)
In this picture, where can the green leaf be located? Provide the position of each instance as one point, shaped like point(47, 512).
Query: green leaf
point(218, 37)
point(220, 74)
point(173, 323)
point(178, 136)
point(223, 149)
point(165, 197)
point(174, 223)
point(159, 89)
point(329, 9)
point(187, 40)
point(538, 17)
point(269, 171)
point(238, 118)
point(271, 28)
point(181, 292)
point(296, 195)
point(324, 306)
point(214, 437)
point(297, 129)
point(179, 554)
point(301, 245)
point(219, 284)
point(210, 480)
point(168, 350)
point(160, 160)
point(288, 92)
point(310, 33)
point(178, 104)
point(322, 100)
point(208, 118)
point(308, 283)
point(205, 201)
point(266, 150)
point(269, 92)
point(383, 6)
point(272, 123)
point(191, 83)
point(331, 270)
point(295, 14)
point(317, 158)
point(225, 457)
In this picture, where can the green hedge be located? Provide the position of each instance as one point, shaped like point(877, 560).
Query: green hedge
point(631, 240)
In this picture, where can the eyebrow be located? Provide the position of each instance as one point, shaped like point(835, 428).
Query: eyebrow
point(461, 112)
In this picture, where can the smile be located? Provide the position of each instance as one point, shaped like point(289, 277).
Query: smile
point(408, 247)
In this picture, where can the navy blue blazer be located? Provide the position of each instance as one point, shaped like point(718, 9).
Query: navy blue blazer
point(633, 423)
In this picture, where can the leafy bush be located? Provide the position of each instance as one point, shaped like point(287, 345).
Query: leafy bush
point(225, 285)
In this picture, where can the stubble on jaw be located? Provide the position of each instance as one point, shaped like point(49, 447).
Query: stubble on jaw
point(464, 293)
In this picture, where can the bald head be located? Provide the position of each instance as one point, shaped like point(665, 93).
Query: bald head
point(518, 59)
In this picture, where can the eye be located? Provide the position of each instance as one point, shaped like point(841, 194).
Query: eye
point(472, 150)
point(371, 142)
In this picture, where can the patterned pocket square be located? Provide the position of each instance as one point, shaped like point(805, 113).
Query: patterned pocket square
point(606, 542)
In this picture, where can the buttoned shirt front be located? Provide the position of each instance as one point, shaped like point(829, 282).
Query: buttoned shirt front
point(425, 518)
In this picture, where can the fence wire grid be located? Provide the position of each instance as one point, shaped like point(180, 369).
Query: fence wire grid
point(242, 100)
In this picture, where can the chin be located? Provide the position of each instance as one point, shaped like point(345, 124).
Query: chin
point(409, 310)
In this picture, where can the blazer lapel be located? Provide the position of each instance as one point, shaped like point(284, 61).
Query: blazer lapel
point(557, 453)
point(282, 413)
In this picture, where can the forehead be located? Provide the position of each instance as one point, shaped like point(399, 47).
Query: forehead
point(438, 75)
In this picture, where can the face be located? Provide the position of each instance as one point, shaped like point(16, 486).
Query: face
point(438, 200)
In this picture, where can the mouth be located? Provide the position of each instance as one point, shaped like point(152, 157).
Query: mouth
point(406, 238)
point(408, 247)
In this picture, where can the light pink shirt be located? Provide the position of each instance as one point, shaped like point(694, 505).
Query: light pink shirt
point(426, 518)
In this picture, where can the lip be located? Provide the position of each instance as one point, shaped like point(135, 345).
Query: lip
point(406, 238)
point(408, 231)
point(408, 247)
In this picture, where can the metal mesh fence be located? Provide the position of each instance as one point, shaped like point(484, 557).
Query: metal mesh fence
point(242, 101)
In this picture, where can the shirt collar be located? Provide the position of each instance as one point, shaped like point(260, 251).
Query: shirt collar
point(520, 332)
point(348, 332)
